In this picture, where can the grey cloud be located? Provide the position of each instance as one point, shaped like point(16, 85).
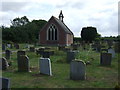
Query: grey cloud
point(78, 5)
point(13, 6)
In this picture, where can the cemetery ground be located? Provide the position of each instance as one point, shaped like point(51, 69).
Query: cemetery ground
point(96, 76)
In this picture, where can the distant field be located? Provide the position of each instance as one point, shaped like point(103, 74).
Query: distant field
point(97, 76)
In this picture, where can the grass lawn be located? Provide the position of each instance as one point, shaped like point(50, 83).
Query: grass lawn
point(96, 76)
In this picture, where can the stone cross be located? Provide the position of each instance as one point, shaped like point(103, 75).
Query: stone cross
point(45, 66)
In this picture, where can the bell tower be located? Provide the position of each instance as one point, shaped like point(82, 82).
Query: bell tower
point(61, 16)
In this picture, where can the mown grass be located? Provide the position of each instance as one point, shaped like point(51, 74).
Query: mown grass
point(96, 76)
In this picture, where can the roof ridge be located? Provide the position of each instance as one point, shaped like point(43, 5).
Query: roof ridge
point(63, 24)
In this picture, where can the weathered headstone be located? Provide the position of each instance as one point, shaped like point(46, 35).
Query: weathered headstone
point(117, 47)
point(7, 54)
point(3, 47)
point(17, 46)
point(19, 53)
point(8, 45)
point(105, 59)
point(71, 55)
point(23, 64)
point(77, 70)
point(4, 63)
point(45, 66)
point(32, 49)
point(110, 43)
point(4, 84)
point(112, 52)
point(75, 46)
point(46, 54)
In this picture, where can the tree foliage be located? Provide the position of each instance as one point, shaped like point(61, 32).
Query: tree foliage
point(22, 30)
point(88, 33)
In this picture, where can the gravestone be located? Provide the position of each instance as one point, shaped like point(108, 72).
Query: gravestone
point(32, 49)
point(112, 52)
point(46, 54)
point(17, 46)
point(45, 66)
point(77, 70)
point(8, 45)
point(71, 55)
point(117, 47)
point(3, 47)
point(23, 64)
point(105, 59)
point(110, 43)
point(19, 53)
point(7, 54)
point(61, 47)
point(4, 84)
point(4, 63)
point(75, 46)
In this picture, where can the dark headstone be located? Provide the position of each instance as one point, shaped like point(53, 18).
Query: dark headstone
point(75, 46)
point(45, 66)
point(23, 64)
point(46, 54)
point(4, 84)
point(17, 46)
point(19, 53)
point(77, 70)
point(3, 47)
point(7, 54)
point(32, 49)
point(117, 47)
point(71, 55)
point(4, 64)
point(105, 59)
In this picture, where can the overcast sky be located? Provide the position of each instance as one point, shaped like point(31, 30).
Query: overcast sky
point(102, 14)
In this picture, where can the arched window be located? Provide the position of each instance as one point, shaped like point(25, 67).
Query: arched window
point(52, 33)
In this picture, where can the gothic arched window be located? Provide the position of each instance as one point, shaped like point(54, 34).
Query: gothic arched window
point(52, 33)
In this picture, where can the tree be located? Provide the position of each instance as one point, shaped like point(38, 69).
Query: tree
point(88, 34)
point(19, 21)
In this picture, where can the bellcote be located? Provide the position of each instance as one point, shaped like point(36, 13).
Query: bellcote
point(61, 16)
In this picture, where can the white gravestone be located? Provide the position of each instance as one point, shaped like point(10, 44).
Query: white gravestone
point(112, 52)
point(77, 70)
point(45, 66)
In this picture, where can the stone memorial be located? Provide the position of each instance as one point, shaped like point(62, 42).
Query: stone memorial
point(3, 47)
point(46, 54)
point(32, 49)
point(71, 55)
point(45, 66)
point(23, 64)
point(7, 54)
point(105, 59)
point(110, 50)
point(4, 84)
point(77, 70)
point(4, 63)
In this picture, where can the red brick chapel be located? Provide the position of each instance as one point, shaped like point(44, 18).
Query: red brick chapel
point(55, 32)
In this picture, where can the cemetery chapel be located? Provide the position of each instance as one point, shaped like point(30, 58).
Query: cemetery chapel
point(55, 32)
